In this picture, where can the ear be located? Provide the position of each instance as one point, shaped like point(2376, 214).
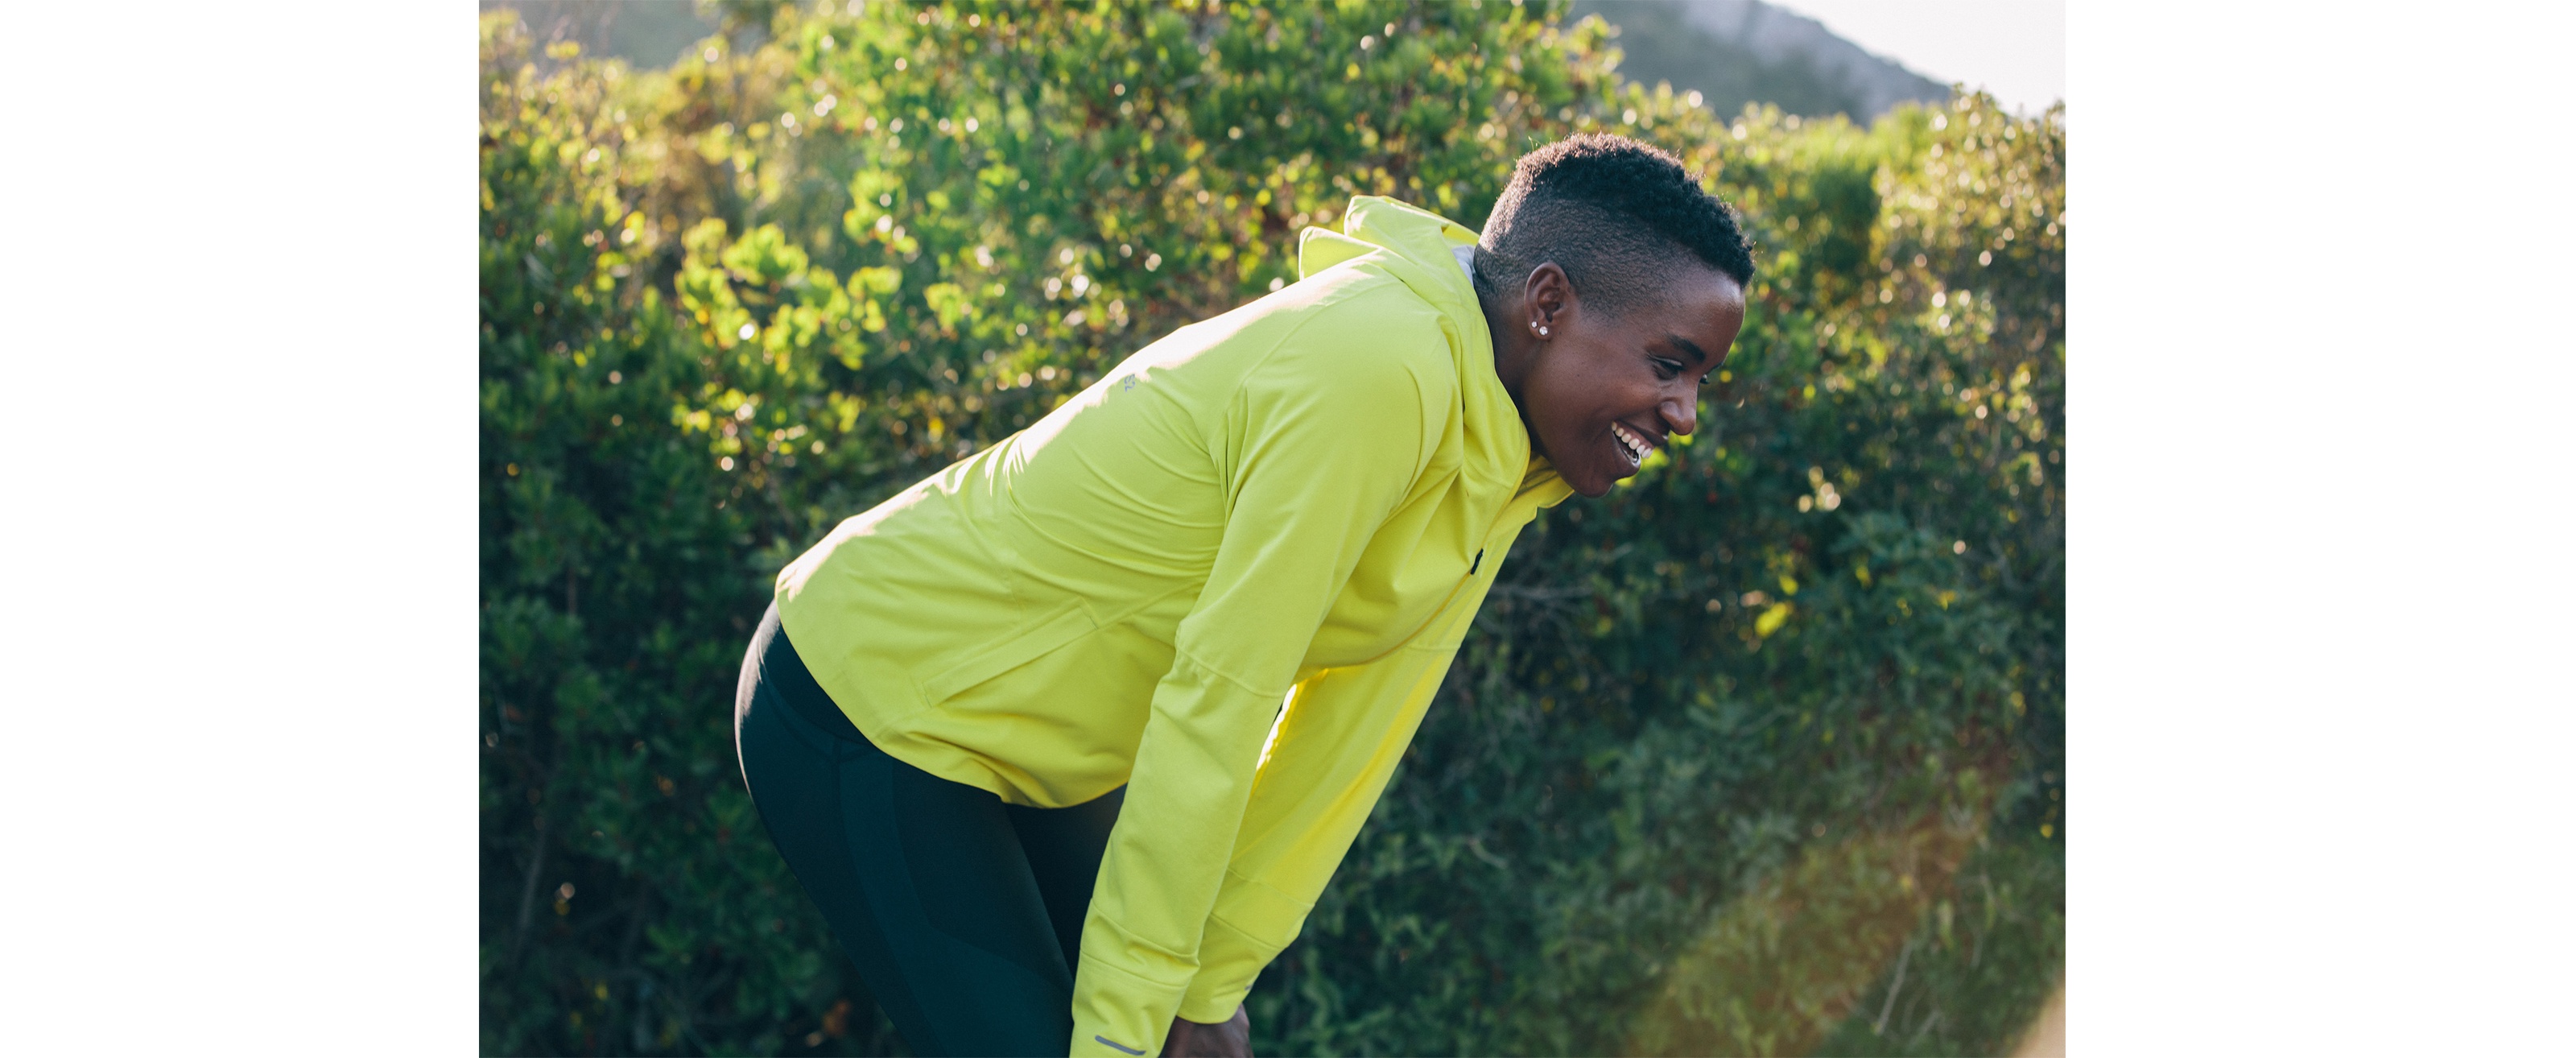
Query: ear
point(1549, 297)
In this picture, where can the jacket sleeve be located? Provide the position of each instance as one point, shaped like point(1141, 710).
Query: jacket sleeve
point(1313, 466)
point(1337, 744)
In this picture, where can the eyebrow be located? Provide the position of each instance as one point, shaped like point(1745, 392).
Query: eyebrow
point(1686, 345)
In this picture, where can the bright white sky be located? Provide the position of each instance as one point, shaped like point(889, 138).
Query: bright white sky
point(2015, 49)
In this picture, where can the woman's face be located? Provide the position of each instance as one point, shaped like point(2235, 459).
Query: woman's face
point(1600, 392)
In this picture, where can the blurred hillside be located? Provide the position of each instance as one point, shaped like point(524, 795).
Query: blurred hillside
point(1735, 52)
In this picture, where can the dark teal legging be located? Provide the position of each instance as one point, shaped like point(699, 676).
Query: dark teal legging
point(963, 914)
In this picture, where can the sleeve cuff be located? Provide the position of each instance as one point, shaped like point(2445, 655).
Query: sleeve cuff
point(1235, 960)
point(1214, 1008)
point(1119, 1013)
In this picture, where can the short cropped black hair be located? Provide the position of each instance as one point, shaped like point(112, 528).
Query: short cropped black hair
point(1613, 213)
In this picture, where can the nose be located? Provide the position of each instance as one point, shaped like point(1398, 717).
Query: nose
point(1681, 413)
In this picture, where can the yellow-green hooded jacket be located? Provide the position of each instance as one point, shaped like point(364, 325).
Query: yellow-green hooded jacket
point(1310, 493)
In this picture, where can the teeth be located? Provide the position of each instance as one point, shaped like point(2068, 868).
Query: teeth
point(1634, 445)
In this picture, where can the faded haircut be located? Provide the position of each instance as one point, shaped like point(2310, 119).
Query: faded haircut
point(1617, 215)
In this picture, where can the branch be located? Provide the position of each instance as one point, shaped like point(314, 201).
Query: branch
point(1880, 1029)
point(528, 892)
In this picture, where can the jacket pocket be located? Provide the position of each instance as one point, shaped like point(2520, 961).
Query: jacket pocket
point(1063, 625)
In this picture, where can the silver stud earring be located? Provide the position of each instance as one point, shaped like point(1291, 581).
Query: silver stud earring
point(1542, 331)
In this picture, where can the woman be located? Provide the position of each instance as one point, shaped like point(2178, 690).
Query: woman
point(1028, 749)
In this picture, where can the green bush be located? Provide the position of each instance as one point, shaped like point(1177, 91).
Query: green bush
point(1761, 753)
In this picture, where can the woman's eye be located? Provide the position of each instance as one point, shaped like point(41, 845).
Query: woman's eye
point(1667, 368)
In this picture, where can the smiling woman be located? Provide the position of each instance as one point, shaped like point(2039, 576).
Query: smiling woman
point(1071, 735)
point(1631, 279)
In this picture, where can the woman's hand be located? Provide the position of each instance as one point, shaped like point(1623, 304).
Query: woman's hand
point(1191, 1039)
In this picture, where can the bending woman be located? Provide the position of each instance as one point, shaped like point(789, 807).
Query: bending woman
point(1020, 730)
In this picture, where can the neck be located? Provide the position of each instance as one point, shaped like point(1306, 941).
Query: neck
point(1513, 347)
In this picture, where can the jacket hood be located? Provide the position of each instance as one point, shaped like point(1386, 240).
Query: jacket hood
point(1420, 248)
point(1428, 253)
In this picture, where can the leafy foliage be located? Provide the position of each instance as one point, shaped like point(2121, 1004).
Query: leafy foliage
point(1762, 753)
